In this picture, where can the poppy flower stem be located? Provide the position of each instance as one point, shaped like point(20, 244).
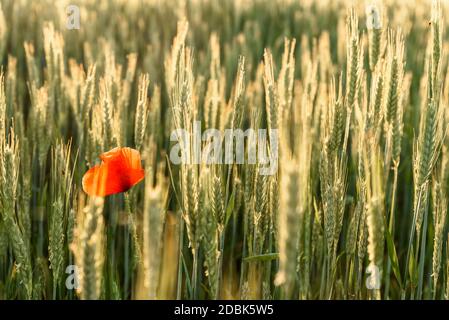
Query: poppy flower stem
point(127, 235)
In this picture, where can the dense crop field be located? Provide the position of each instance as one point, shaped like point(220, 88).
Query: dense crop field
point(102, 198)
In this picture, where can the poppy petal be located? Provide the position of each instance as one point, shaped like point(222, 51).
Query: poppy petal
point(105, 180)
point(111, 154)
point(135, 176)
point(94, 181)
point(120, 170)
point(117, 177)
point(132, 158)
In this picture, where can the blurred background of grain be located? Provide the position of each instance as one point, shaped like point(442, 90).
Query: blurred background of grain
point(361, 182)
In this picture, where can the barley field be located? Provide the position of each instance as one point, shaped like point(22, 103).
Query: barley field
point(354, 96)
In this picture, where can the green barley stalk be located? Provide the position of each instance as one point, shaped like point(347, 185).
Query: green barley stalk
point(154, 117)
point(439, 221)
point(9, 175)
point(289, 222)
point(60, 190)
point(354, 59)
point(271, 94)
point(393, 95)
point(286, 77)
point(89, 250)
point(374, 26)
point(332, 172)
point(211, 209)
point(375, 216)
point(141, 111)
point(153, 224)
point(427, 148)
point(54, 75)
point(393, 122)
point(80, 88)
point(33, 71)
point(179, 79)
point(107, 117)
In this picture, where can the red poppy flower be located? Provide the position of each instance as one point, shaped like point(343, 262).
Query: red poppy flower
point(119, 171)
